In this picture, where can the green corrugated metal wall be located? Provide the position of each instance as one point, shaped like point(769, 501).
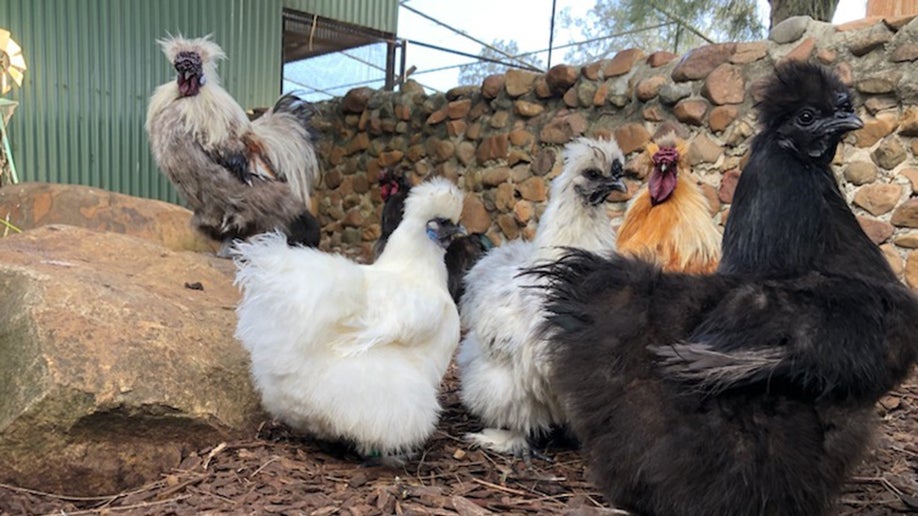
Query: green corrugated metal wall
point(381, 15)
point(92, 65)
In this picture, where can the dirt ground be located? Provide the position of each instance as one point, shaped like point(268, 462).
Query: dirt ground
point(275, 472)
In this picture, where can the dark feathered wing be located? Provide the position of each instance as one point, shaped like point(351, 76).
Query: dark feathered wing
point(251, 159)
point(817, 336)
point(245, 159)
point(813, 336)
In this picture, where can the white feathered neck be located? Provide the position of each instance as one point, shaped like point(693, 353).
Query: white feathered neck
point(409, 248)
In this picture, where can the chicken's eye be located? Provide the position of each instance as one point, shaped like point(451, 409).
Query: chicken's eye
point(593, 174)
point(806, 117)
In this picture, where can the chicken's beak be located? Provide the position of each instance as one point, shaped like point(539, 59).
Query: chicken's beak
point(459, 231)
point(842, 122)
point(618, 184)
point(444, 231)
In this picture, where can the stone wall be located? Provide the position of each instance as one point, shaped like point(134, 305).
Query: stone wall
point(501, 140)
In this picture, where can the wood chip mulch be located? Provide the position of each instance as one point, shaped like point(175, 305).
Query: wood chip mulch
point(276, 472)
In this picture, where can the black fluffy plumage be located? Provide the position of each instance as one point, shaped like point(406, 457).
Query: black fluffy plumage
point(394, 190)
point(750, 391)
point(461, 254)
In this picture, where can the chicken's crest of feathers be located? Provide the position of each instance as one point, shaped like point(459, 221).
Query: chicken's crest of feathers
point(584, 153)
point(211, 117)
point(668, 140)
point(209, 52)
point(432, 199)
point(793, 86)
point(789, 215)
point(437, 197)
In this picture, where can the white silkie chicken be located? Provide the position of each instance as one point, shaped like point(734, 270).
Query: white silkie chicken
point(351, 352)
point(502, 360)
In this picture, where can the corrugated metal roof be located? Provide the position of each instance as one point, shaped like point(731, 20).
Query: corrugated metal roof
point(92, 65)
point(381, 15)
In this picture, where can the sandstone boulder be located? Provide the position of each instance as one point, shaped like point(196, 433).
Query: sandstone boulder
point(911, 270)
point(561, 77)
point(877, 230)
point(356, 100)
point(790, 29)
point(878, 198)
point(699, 62)
point(30, 205)
point(491, 86)
point(117, 357)
point(906, 215)
point(519, 82)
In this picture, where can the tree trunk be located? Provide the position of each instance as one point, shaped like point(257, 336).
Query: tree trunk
point(821, 10)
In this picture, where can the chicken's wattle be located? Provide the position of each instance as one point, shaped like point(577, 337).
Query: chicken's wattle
point(189, 86)
point(662, 183)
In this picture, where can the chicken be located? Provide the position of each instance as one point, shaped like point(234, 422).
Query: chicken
point(502, 358)
point(350, 352)
point(669, 222)
point(462, 252)
point(393, 188)
point(749, 391)
point(239, 177)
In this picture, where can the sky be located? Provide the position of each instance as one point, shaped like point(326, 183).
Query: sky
point(525, 21)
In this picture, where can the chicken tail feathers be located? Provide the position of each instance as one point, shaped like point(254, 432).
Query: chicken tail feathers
point(286, 134)
point(303, 111)
point(286, 290)
point(259, 252)
point(577, 278)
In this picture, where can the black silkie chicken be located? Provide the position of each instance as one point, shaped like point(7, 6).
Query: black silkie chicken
point(462, 252)
point(393, 188)
point(749, 391)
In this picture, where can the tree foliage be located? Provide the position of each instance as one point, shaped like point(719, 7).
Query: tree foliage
point(476, 72)
point(674, 25)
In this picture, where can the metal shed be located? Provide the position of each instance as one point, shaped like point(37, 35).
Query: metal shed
point(92, 65)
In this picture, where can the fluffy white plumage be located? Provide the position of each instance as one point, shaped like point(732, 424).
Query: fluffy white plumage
point(502, 360)
point(354, 352)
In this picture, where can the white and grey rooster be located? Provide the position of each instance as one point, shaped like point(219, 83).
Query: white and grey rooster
point(239, 177)
point(502, 359)
point(350, 352)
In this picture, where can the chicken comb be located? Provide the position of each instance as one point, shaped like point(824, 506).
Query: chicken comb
point(671, 145)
